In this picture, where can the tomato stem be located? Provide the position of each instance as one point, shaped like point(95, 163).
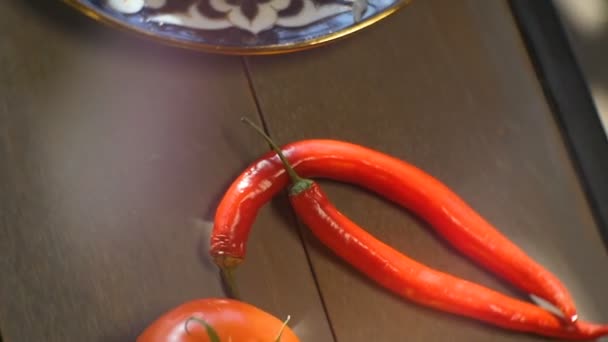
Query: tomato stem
point(278, 339)
point(213, 336)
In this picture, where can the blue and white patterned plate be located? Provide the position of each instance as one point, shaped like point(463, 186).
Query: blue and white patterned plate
point(240, 26)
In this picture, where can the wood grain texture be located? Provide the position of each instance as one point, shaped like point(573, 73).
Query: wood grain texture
point(449, 87)
point(113, 155)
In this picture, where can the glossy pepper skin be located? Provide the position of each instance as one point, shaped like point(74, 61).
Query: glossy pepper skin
point(421, 284)
point(395, 180)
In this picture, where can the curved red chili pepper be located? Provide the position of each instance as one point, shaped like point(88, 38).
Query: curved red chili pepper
point(421, 284)
point(394, 179)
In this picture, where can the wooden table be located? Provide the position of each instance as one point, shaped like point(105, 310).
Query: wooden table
point(114, 152)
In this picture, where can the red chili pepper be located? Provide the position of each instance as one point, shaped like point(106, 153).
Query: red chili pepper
point(384, 264)
point(419, 283)
point(396, 180)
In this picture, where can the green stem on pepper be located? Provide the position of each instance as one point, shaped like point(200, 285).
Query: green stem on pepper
point(227, 274)
point(298, 184)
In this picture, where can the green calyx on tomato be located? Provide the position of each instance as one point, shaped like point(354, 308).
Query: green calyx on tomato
point(213, 335)
point(217, 320)
point(278, 339)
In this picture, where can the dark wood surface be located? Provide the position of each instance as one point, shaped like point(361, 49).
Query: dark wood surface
point(114, 152)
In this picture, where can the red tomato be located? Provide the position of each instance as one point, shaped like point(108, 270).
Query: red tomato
point(234, 321)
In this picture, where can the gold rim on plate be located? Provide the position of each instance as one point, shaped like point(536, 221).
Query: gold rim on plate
point(256, 50)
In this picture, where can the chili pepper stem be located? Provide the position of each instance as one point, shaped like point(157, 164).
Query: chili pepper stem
point(228, 277)
point(298, 184)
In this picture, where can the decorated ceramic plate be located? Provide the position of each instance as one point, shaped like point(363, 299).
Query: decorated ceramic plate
point(240, 26)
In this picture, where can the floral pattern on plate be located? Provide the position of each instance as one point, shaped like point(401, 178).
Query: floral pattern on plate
point(244, 26)
point(251, 15)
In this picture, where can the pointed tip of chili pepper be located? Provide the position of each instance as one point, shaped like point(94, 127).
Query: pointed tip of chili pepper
point(592, 330)
point(563, 308)
point(602, 331)
point(573, 318)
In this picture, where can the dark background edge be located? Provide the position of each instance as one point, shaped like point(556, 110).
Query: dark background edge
point(570, 99)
